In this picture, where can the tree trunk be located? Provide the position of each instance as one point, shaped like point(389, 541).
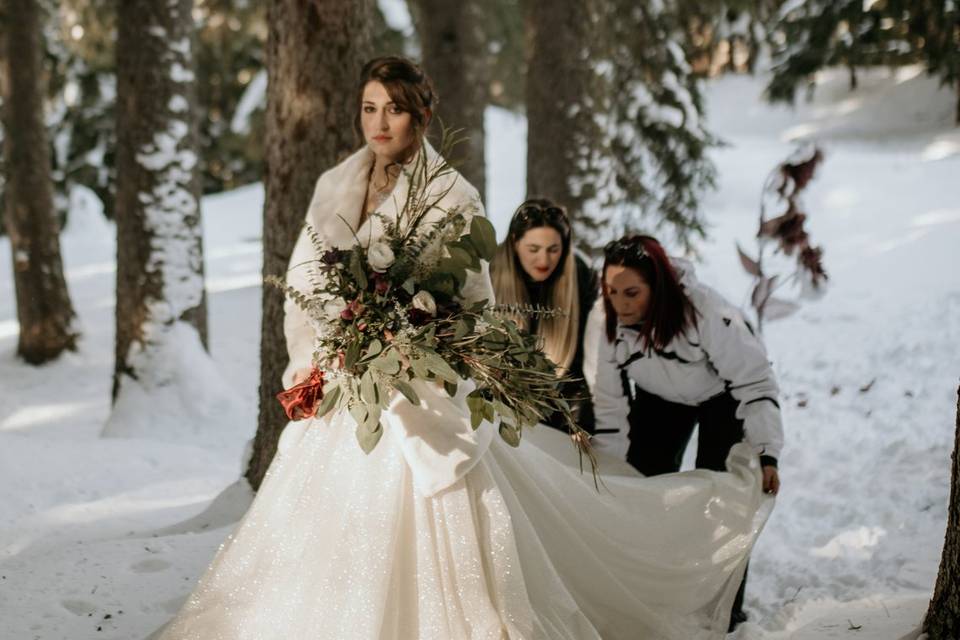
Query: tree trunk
point(957, 119)
point(160, 285)
point(315, 51)
point(943, 615)
point(562, 98)
point(451, 36)
point(44, 310)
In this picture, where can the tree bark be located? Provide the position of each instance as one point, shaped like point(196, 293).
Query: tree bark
point(159, 235)
point(44, 310)
point(563, 95)
point(556, 84)
point(315, 51)
point(943, 615)
point(957, 119)
point(451, 36)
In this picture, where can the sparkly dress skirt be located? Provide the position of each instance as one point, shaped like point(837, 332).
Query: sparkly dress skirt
point(340, 545)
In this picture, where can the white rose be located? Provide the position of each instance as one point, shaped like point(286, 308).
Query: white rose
point(425, 302)
point(380, 256)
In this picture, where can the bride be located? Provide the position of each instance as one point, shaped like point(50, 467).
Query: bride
point(443, 532)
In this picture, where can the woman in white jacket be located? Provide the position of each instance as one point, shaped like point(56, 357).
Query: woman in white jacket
point(675, 354)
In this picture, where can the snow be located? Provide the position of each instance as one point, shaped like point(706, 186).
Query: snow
point(91, 527)
point(254, 98)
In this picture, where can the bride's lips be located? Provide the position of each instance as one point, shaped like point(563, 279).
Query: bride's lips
point(382, 138)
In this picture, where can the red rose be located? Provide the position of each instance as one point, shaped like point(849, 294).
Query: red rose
point(302, 400)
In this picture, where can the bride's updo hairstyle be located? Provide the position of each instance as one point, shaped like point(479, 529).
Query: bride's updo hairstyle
point(408, 85)
point(670, 311)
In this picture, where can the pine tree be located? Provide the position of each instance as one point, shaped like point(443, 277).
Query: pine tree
point(614, 116)
point(230, 61)
point(724, 35)
point(82, 93)
point(161, 304)
point(315, 52)
point(44, 310)
point(453, 46)
point(658, 138)
point(816, 34)
point(936, 24)
point(943, 615)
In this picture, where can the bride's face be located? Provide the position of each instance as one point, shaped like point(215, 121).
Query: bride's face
point(387, 130)
point(628, 292)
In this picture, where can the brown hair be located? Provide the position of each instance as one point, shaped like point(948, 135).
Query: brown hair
point(559, 334)
point(408, 85)
point(670, 312)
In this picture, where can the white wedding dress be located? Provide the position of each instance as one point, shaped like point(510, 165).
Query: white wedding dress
point(443, 533)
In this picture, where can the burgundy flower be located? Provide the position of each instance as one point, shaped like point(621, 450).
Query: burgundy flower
point(419, 317)
point(332, 257)
point(381, 284)
point(351, 311)
point(811, 259)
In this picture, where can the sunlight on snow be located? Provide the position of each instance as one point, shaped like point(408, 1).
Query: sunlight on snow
point(855, 543)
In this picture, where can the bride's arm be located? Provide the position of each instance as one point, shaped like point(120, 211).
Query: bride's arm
point(296, 322)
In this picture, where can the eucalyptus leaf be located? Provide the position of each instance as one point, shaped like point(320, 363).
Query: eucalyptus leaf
point(374, 349)
point(488, 413)
point(359, 413)
point(330, 396)
point(471, 251)
point(459, 256)
point(461, 329)
point(420, 368)
point(408, 392)
point(368, 437)
point(368, 388)
point(484, 236)
point(475, 402)
point(510, 434)
point(450, 388)
point(439, 367)
point(351, 355)
point(388, 362)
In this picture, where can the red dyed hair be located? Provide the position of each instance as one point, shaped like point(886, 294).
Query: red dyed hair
point(670, 311)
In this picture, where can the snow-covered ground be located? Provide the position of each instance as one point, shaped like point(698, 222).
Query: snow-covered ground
point(103, 538)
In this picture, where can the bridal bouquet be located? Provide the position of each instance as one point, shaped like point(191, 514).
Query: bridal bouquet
point(390, 313)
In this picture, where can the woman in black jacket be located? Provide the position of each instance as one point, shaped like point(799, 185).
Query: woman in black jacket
point(536, 265)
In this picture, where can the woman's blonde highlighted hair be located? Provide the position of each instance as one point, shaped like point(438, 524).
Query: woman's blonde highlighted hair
point(558, 332)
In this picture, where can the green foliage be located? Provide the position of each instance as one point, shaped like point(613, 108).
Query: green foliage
point(658, 140)
point(725, 35)
point(817, 34)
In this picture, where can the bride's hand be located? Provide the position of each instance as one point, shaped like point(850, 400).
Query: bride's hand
point(771, 480)
point(301, 374)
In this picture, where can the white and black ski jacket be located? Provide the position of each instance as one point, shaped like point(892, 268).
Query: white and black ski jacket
point(720, 354)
